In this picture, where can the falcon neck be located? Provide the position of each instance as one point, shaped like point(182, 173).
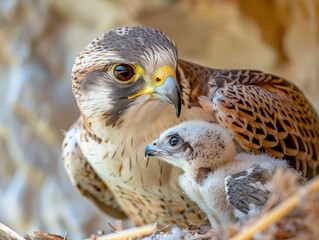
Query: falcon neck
point(196, 78)
point(203, 172)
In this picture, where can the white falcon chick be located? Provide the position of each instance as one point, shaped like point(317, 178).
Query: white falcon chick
point(224, 183)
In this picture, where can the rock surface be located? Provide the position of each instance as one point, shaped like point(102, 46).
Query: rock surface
point(39, 42)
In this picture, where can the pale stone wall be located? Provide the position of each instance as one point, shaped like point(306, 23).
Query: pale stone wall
point(39, 41)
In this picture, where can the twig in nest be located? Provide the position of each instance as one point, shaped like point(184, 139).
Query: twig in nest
point(10, 232)
point(278, 212)
point(39, 235)
point(113, 228)
point(204, 236)
point(163, 228)
point(129, 233)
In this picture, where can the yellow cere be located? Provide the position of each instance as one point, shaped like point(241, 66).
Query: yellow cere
point(158, 79)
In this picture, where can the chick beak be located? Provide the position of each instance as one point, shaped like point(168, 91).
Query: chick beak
point(152, 149)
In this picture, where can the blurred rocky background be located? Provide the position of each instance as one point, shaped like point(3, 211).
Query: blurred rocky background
point(39, 41)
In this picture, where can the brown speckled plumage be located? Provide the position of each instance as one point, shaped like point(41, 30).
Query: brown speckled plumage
point(261, 111)
point(266, 113)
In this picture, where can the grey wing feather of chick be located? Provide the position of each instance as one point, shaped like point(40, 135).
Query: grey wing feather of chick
point(248, 189)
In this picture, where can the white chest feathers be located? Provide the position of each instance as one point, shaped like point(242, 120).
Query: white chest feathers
point(210, 196)
point(233, 188)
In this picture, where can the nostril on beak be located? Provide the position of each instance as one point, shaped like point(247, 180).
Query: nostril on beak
point(151, 150)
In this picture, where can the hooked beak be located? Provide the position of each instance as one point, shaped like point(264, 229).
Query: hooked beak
point(169, 92)
point(164, 87)
point(152, 150)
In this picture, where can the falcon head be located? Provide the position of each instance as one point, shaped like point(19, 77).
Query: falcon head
point(193, 145)
point(125, 69)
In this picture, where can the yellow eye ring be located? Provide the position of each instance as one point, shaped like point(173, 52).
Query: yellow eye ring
point(124, 73)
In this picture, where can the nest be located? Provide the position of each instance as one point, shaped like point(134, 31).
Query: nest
point(292, 212)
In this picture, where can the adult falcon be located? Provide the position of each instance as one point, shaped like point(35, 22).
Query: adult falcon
point(130, 86)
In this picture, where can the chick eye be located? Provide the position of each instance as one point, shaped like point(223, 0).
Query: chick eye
point(173, 140)
point(123, 72)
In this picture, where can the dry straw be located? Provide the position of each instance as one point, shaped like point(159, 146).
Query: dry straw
point(299, 208)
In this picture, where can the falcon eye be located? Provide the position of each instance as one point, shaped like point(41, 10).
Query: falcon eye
point(124, 72)
point(173, 140)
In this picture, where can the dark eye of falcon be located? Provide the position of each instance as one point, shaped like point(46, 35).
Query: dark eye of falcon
point(124, 72)
point(173, 140)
